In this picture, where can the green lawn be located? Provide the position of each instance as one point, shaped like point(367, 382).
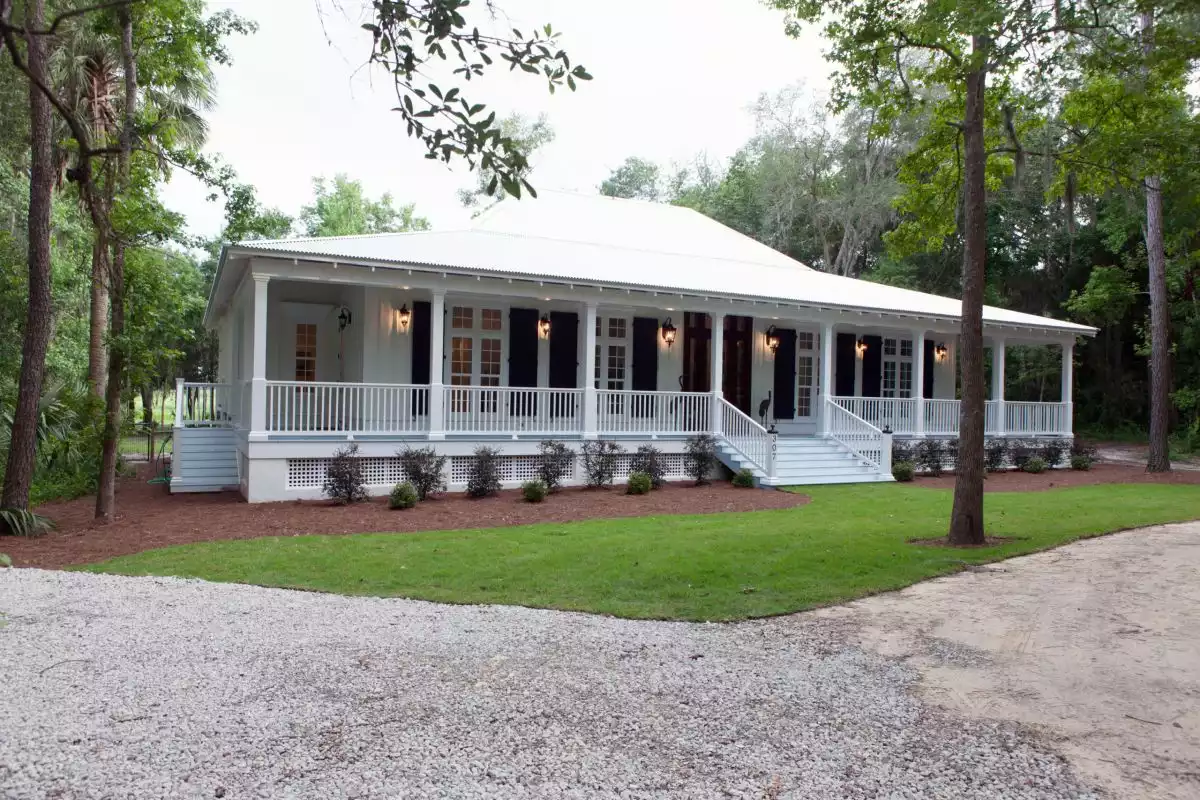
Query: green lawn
point(848, 542)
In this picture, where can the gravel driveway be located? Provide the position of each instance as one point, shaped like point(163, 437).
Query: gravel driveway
point(145, 687)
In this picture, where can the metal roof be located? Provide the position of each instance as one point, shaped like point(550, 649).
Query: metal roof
point(594, 240)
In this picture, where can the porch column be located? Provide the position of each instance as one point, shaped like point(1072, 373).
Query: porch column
point(590, 403)
point(1068, 380)
point(827, 340)
point(258, 362)
point(718, 366)
point(919, 381)
point(437, 347)
point(998, 385)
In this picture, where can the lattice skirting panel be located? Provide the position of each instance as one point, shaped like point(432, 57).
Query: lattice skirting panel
point(309, 473)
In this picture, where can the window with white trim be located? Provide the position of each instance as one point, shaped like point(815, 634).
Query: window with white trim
point(306, 351)
point(897, 379)
point(806, 372)
point(612, 353)
point(476, 350)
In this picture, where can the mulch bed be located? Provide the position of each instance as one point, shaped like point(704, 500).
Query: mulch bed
point(1101, 472)
point(150, 517)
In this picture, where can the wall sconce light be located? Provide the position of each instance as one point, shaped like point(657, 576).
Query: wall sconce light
point(344, 319)
point(403, 318)
point(772, 340)
point(860, 348)
point(668, 332)
point(940, 352)
point(544, 327)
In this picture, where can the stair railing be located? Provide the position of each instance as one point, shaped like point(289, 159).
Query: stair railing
point(749, 438)
point(859, 436)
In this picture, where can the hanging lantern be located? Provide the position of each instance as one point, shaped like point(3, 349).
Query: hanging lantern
point(940, 352)
point(860, 347)
point(403, 318)
point(772, 340)
point(344, 319)
point(544, 327)
point(668, 332)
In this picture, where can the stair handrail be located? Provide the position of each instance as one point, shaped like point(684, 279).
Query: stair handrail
point(858, 436)
point(752, 440)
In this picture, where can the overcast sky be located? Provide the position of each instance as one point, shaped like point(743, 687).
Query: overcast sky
point(672, 78)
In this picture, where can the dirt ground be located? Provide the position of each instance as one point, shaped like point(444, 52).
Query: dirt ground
point(1101, 472)
point(150, 517)
point(1096, 646)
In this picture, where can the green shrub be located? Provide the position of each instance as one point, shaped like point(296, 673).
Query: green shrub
point(931, 456)
point(994, 454)
point(425, 470)
point(700, 457)
point(535, 491)
point(484, 478)
point(903, 471)
point(1019, 452)
point(555, 462)
point(1083, 455)
point(19, 522)
point(903, 450)
point(5, 560)
point(403, 496)
point(343, 482)
point(600, 461)
point(1035, 465)
point(1051, 451)
point(648, 459)
point(743, 478)
point(1081, 462)
point(638, 483)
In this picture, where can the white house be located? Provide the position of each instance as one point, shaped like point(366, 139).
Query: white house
point(574, 317)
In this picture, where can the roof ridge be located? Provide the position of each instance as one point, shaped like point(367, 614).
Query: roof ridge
point(384, 234)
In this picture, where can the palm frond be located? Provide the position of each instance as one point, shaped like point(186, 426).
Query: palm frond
point(20, 522)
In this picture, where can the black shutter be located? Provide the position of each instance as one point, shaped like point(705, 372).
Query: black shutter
point(844, 362)
point(785, 375)
point(872, 376)
point(422, 336)
point(927, 388)
point(522, 359)
point(564, 358)
point(644, 377)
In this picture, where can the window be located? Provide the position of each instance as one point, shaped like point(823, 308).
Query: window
point(306, 352)
point(611, 353)
point(897, 379)
point(476, 354)
point(462, 318)
point(492, 319)
point(489, 362)
point(805, 340)
point(804, 375)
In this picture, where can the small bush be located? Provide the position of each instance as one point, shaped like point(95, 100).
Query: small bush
point(638, 483)
point(5, 560)
point(403, 496)
point(1081, 463)
point(1083, 455)
point(534, 491)
point(743, 478)
point(903, 450)
point(903, 471)
point(994, 454)
point(343, 479)
point(555, 462)
point(600, 461)
point(700, 457)
point(1051, 451)
point(425, 470)
point(484, 478)
point(1019, 452)
point(1035, 465)
point(931, 456)
point(648, 459)
point(20, 522)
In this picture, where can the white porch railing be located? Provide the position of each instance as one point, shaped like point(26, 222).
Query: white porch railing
point(750, 438)
point(861, 437)
point(653, 412)
point(883, 412)
point(504, 409)
point(369, 408)
point(942, 416)
point(204, 405)
point(1036, 418)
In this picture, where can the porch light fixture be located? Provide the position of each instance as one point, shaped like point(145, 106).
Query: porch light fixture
point(344, 319)
point(669, 332)
point(403, 318)
point(860, 347)
point(772, 340)
point(544, 327)
point(940, 352)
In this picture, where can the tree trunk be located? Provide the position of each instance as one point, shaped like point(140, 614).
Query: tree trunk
point(22, 451)
point(1159, 458)
point(966, 520)
point(148, 404)
point(106, 496)
point(98, 321)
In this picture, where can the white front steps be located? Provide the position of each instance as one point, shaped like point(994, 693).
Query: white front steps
point(807, 460)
